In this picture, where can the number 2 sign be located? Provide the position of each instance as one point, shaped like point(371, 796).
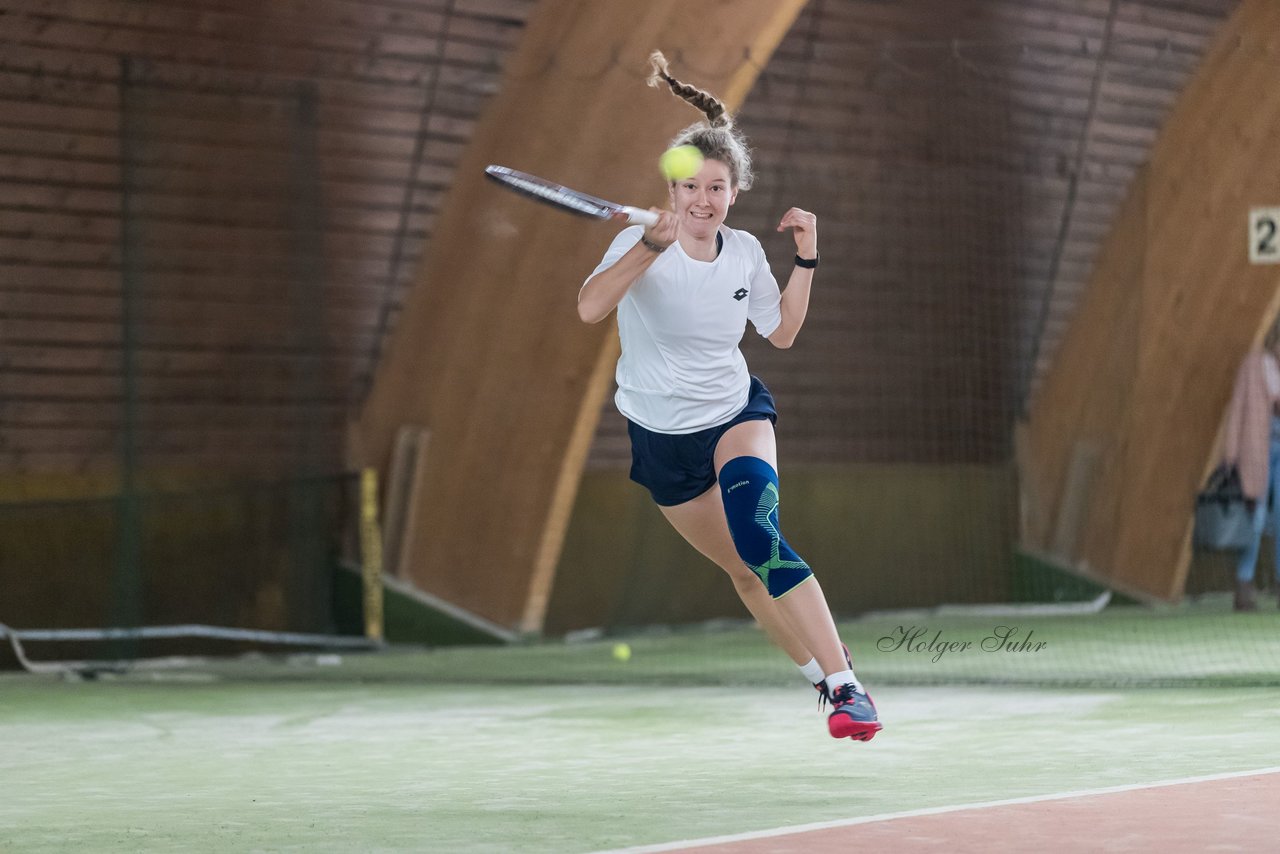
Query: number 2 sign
point(1264, 239)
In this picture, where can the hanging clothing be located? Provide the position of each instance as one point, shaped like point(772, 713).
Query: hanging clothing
point(1248, 430)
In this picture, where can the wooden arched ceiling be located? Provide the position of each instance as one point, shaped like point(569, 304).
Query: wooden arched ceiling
point(399, 85)
point(1082, 87)
point(1122, 431)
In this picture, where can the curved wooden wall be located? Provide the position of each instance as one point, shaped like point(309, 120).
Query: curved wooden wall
point(1125, 425)
point(489, 354)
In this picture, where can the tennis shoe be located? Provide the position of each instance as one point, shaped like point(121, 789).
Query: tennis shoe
point(853, 715)
point(824, 693)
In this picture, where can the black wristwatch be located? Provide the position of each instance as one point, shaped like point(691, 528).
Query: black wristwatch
point(809, 263)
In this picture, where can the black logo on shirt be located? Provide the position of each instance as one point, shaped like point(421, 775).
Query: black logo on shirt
point(740, 294)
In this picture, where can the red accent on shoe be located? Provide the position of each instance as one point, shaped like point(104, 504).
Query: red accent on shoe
point(843, 726)
point(853, 714)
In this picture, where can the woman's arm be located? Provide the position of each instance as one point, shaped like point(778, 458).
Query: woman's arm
point(795, 305)
point(603, 291)
point(795, 299)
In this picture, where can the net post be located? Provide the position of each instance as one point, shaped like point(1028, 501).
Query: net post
point(371, 554)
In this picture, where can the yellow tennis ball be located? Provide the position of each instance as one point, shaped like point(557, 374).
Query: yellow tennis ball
point(622, 652)
point(680, 162)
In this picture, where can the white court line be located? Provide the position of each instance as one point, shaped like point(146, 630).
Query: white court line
point(849, 822)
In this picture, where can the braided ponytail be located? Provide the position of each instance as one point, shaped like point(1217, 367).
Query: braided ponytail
point(717, 138)
point(710, 105)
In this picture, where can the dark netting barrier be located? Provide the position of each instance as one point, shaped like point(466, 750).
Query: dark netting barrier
point(214, 496)
point(116, 578)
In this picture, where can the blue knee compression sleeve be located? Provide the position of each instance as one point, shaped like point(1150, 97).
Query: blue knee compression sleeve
point(749, 487)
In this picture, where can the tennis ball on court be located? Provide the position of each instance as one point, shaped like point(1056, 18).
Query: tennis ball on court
point(680, 162)
point(622, 651)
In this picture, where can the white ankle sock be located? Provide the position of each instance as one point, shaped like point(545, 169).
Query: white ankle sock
point(812, 671)
point(844, 677)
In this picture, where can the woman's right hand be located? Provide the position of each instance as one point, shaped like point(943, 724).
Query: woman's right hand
point(601, 293)
point(665, 230)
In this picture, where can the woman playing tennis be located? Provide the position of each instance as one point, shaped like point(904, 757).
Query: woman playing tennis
point(701, 426)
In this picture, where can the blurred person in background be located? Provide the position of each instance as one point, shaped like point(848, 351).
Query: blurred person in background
point(1252, 446)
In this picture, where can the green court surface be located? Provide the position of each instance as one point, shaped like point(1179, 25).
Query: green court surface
point(393, 752)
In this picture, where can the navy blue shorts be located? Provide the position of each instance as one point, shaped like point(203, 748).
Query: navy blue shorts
point(676, 468)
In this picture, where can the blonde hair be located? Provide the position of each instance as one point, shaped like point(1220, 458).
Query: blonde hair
point(717, 138)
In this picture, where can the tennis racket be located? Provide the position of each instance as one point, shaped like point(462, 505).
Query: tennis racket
point(566, 199)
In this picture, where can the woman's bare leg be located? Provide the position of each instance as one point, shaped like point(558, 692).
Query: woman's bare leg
point(804, 606)
point(702, 523)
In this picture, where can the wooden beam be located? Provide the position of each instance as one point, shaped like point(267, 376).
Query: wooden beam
point(560, 512)
point(1146, 368)
point(489, 353)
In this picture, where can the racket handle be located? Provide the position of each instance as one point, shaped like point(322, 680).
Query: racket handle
point(639, 216)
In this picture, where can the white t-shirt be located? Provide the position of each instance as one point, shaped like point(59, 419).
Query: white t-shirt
point(681, 323)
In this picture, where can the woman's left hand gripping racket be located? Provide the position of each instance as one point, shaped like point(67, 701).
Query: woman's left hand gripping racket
point(567, 199)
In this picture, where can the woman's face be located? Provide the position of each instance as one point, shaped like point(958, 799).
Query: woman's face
point(702, 202)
